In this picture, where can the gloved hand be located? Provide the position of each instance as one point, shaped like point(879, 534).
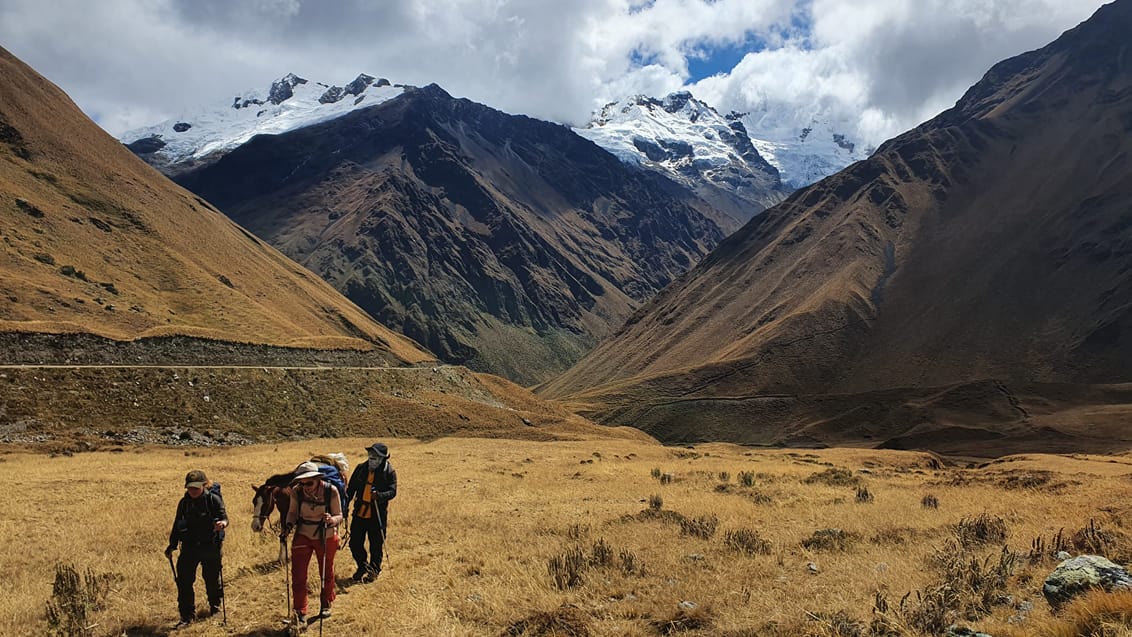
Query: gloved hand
point(286, 531)
point(169, 550)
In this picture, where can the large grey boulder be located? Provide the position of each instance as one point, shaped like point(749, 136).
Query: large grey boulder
point(1083, 573)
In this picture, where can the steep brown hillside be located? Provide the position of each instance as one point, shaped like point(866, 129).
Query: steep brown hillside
point(97, 242)
point(500, 242)
point(992, 242)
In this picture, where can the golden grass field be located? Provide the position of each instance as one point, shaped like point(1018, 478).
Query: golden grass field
point(477, 523)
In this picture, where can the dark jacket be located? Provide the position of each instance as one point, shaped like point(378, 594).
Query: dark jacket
point(384, 486)
point(193, 525)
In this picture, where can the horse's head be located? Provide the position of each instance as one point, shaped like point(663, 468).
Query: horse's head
point(263, 503)
point(273, 494)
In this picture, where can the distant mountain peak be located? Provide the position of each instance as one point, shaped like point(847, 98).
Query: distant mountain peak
point(800, 151)
point(690, 142)
point(291, 102)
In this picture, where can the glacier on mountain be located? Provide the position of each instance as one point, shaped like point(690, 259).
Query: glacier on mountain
point(634, 129)
point(290, 103)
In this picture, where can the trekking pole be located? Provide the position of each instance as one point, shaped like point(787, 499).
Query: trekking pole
point(384, 544)
point(286, 573)
point(223, 596)
point(171, 567)
point(322, 578)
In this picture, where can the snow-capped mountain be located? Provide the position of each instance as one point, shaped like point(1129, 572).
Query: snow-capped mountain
point(803, 149)
point(686, 137)
point(291, 103)
point(693, 144)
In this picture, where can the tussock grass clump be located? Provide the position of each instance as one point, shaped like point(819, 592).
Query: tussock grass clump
point(684, 620)
point(655, 502)
point(1041, 551)
point(1111, 543)
point(630, 564)
point(566, 569)
point(893, 536)
point(655, 473)
point(968, 588)
point(864, 496)
point(830, 540)
point(747, 478)
point(75, 599)
point(929, 501)
point(577, 531)
point(834, 477)
point(564, 621)
point(701, 526)
point(747, 541)
point(839, 624)
point(761, 498)
point(602, 554)
point(724, 476)
point(1024, 479)
point(983, 529)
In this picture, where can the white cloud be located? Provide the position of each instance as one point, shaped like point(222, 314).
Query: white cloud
point(881, 65)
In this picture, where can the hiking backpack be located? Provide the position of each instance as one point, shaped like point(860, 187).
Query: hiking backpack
point(331, 474)
point(214, 490)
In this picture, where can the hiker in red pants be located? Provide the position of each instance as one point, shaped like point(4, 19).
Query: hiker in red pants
point(315, 513)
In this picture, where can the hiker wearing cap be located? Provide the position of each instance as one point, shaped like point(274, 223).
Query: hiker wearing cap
point(372, 485)
point(199, 529)
point(314, 514)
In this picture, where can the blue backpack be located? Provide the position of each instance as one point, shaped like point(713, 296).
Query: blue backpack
point(331, 474)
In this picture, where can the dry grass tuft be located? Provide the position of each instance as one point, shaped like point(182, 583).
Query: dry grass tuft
point(1094, 539)
point(980, 530)
point(834, 477)
point(564, 621)
point(683, 620)
point(747, 541)
point(838, 624)
point(566, 569)
point(703, 526)
point(1042, 552)
point(75, 599)
point(864, 496)
point(929, 501)
point(830, 540)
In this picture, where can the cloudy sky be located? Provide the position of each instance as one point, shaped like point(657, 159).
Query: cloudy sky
point(880, 66)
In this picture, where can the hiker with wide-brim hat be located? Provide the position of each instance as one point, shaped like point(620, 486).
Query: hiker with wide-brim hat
point(314, 514)
point(199, 529)
point(372, 485)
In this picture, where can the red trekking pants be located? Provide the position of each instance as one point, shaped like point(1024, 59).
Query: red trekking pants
point(301, 549)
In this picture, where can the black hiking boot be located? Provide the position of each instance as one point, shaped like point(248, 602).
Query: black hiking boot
point(359, 574)
point(181, 624)
point(371, 574)
point(213, 610)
